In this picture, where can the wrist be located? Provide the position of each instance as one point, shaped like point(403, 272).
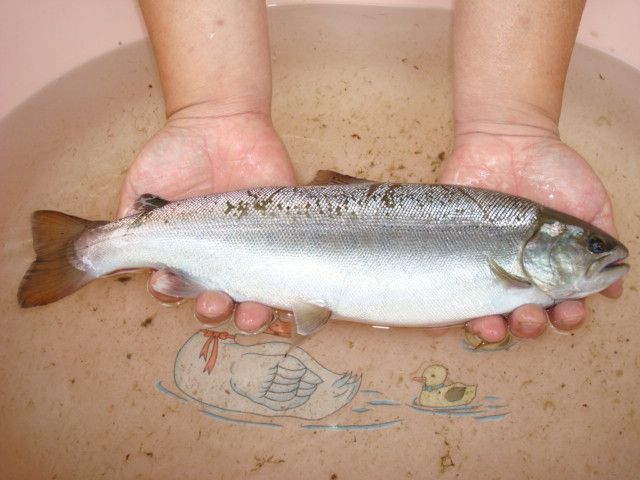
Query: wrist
point(218, 109)
point(508, 118)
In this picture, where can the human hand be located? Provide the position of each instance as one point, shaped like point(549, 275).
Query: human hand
point(538, 166)
point(197, 154)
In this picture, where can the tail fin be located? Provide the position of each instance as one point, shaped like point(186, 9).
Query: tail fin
point(52, 276)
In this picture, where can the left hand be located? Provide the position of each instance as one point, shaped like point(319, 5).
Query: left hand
point(546, 170)
point(196, 154)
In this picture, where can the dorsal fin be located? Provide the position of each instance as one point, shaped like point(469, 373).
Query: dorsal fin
point(147, 202)
point(329, 177)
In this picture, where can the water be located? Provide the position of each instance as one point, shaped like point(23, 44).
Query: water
point(364, 91)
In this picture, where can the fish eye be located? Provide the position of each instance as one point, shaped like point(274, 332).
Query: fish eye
point(596, 245)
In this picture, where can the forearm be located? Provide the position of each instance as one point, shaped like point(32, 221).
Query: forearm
point(510, 62)
point(212, 54)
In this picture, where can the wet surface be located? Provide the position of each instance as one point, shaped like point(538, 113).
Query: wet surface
point(365, 92)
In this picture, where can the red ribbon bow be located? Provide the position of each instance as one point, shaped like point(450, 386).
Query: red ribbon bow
point(212, 337)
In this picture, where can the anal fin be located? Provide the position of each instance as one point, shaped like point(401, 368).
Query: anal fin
point(309, 318)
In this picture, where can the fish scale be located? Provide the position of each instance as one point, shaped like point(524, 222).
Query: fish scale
point(385, 253)
point(381, 253)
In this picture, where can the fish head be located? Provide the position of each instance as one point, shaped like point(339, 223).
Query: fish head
point(568, 258)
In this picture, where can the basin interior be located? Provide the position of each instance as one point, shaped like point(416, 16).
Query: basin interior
point(362, 90)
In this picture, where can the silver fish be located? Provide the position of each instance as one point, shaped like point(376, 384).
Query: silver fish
point(380, 253)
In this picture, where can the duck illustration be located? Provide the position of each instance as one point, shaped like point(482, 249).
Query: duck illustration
point(272, 378)
point(435, 393)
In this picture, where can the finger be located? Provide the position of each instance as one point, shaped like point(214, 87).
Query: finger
point(528, 321)
point(127, 199)
point(568, 315)
point(604, 219)
point(490, 329)
point(154, 278)
point(614, 290)
point(213, 307)
point(251, 316)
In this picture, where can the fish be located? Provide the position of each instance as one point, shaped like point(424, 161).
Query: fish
point(387, 254)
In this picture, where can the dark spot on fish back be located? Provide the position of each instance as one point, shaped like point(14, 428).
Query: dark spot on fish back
point(123, 279)
point(140, 219)
point(372, 189)
point(261, 205)
point(388, 197)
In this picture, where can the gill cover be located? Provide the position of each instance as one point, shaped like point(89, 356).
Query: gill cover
point(568, 258)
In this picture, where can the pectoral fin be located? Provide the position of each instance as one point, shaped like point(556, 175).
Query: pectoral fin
point(329, 177)
point(309, 318)
point(510, 278)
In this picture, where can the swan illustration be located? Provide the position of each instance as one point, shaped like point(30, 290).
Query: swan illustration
point(271, 379)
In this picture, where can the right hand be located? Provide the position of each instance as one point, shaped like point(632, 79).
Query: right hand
point(546, 170)
point(199, 154)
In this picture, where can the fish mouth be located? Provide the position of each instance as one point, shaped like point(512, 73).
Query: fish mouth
point(613, 261)
point(614, 265)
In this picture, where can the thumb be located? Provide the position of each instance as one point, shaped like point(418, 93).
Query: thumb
point(128, 197)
